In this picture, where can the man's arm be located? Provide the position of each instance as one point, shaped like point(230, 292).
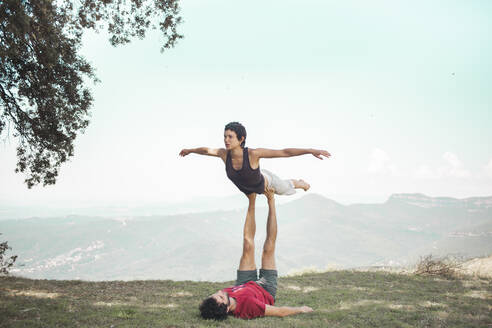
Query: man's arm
point(283, 311)
point(217, 152)
point(288, 152)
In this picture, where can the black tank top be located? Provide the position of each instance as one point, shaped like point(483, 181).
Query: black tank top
point(246, 179)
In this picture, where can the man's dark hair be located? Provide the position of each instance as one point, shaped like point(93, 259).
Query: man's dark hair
point(210, 309)
point(239, 129)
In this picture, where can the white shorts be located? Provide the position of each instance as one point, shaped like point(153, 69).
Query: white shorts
point(281, 187)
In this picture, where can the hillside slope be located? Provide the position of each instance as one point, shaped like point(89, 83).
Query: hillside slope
point(313, 231)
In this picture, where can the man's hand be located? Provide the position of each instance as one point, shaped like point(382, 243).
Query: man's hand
point(283, 311)
point(184, 152)
point(318, 153)
point(270, 194)
point(306, 309)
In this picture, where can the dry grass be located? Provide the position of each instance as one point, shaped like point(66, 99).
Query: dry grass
point(444, 267)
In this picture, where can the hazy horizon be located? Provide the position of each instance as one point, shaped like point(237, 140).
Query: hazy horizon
point(21, 210)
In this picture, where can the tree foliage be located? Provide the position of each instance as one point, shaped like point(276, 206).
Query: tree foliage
point(43, 95)
point(5, 262)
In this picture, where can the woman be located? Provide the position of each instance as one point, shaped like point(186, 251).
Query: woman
point(243, 163)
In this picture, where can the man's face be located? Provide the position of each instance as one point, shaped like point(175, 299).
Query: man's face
point(222, 297)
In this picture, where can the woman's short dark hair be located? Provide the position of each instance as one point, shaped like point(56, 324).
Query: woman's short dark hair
point(239, 129)
point(210, 309)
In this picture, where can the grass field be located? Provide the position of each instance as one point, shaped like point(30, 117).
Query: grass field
point(339, 299)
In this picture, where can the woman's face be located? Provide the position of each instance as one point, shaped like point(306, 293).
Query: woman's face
point(230, 140)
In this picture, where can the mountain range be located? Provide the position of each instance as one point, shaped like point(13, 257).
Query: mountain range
point(314, 232)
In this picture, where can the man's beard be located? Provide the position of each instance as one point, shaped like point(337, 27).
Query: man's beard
point(228, 299)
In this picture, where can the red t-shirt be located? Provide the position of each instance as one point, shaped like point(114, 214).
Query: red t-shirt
point(250, 300)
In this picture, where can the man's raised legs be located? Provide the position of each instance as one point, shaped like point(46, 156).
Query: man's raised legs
point(248, 257)
point(268, 256)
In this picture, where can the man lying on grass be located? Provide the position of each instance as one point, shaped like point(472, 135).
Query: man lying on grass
point(251, 297)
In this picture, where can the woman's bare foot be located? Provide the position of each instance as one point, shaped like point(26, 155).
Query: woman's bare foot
point(301, 184)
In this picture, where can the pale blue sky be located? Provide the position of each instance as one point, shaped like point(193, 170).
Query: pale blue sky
point(399, 93)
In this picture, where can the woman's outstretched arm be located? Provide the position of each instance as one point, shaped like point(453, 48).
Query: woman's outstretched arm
point(289, 152)
point(217, 152)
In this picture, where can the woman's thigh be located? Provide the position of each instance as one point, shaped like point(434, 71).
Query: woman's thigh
point(281, 186)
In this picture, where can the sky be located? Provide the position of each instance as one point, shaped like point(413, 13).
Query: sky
point(400, 93)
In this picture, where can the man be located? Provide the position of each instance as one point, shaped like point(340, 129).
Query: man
point(251, 297)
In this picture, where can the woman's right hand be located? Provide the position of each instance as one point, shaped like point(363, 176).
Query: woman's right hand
point(184, 152)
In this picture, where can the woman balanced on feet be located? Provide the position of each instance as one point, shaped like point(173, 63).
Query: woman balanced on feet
point(243, 163)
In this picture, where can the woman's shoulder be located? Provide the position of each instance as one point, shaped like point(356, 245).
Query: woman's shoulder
point(254, 156)
point(224, 154)
point(253, 151)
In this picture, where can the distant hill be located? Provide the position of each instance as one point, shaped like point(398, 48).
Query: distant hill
point(313, 232)
point(472, 203)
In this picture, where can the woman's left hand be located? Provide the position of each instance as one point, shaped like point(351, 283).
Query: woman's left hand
point(319, 153)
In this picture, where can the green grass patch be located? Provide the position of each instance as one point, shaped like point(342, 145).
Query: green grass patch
point(339, 299)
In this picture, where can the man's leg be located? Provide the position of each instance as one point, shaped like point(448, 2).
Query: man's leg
point(247, 261)
point(268, 256)
point(268, 271)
